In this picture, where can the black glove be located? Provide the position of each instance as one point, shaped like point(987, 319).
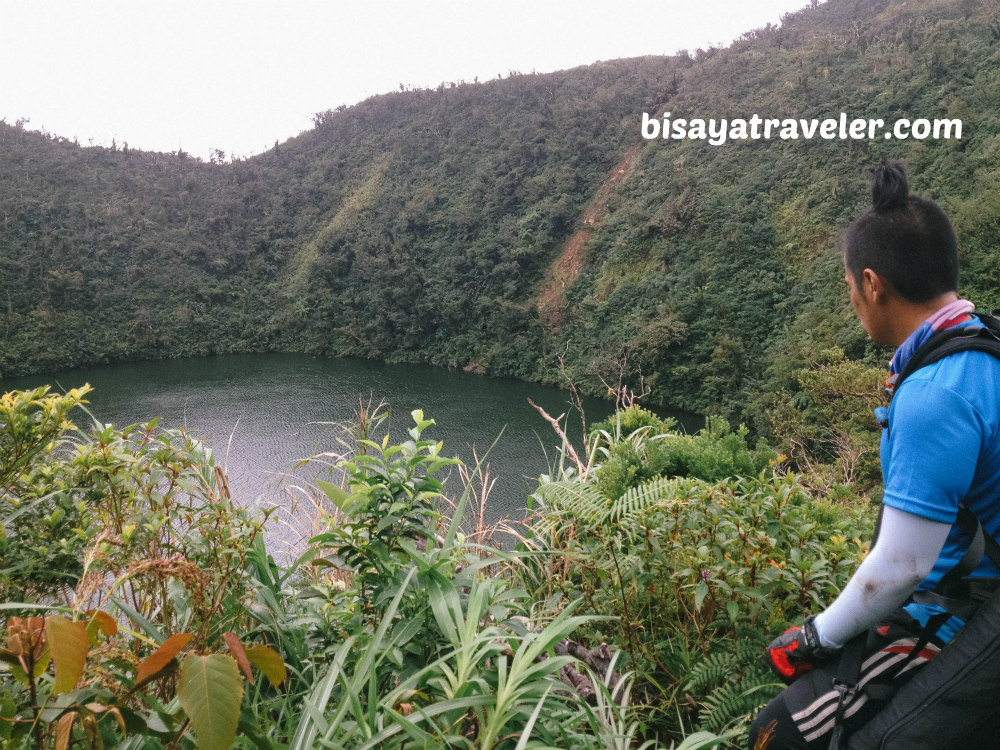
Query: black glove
point(796, 651)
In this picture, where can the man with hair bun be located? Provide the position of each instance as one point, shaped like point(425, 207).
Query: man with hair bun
point(940, 449)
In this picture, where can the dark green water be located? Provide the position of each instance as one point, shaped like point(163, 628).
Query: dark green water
point(261, 415)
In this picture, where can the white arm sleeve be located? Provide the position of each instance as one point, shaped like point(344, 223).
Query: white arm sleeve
point(903, 555)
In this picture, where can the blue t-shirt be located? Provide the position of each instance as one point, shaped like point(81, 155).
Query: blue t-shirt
point(942, 447)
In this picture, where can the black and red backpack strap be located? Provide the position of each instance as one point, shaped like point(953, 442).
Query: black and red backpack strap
point(983, 338)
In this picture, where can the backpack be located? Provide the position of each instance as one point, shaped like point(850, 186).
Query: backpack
point(953, 701)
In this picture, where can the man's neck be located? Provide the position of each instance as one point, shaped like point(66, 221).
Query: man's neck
point(908, 316)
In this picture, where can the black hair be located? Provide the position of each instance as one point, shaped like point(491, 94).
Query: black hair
point(905, 239)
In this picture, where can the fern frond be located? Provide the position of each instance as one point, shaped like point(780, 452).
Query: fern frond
point(734, 701)
point(585, 501)
point(648, 494)
point(716, 667)
point(750, 650)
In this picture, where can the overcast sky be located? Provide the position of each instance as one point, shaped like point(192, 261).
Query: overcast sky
point(237, 75)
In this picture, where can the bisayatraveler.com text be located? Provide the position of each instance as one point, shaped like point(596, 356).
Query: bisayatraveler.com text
point(718, 131)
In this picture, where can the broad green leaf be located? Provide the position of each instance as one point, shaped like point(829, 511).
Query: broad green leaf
point(386, 522)
point(267, 660)
point(700, 592)
point(338, 496)
point(210, 691)
point(69, 645)
point(437, 465)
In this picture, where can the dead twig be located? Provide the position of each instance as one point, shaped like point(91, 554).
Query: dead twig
point(570, 450)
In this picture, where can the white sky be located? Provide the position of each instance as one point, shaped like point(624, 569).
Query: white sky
point(238, 75)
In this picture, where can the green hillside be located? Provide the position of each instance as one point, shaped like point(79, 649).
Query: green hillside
point(498, 226)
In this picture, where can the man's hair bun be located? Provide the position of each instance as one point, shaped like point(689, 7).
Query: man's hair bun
point(890, 188)
point(905, 239)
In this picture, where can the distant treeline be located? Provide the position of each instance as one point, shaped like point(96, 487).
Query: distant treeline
point(523, 227)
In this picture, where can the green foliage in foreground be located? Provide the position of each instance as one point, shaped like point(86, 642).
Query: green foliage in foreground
point(50, 526)
point(179, 630)
point(698, 576)
point(130, 641)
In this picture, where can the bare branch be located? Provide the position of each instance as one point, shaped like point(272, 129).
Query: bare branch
point(554, 421)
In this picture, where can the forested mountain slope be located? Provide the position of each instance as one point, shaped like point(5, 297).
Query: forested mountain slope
point(499, 226)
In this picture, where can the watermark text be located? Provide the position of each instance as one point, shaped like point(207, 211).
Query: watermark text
point(718, 131)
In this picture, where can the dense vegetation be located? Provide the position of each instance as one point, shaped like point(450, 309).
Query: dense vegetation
point(518, 227)
point(500, 225)
point(141, 608)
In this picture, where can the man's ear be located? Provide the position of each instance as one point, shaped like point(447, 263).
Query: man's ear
point(874, 287)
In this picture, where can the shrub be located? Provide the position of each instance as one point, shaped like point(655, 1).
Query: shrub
point(699, 576)
point(154, 574)
point(828, 430)
point(631, 418)
point(45, 517)
point(640, 447)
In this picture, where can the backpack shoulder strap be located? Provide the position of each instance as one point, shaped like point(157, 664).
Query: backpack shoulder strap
point(982, 338)
point(971, 524)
